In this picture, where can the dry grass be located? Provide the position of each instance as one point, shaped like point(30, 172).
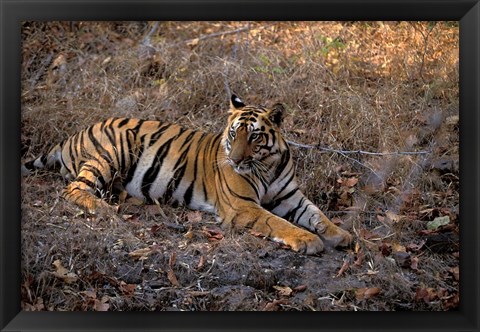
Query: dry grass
point(370, 86)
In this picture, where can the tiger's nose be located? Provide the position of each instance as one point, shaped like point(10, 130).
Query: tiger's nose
point(236, 159)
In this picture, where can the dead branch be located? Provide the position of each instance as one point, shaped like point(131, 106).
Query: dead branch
point(194, 41)
point(146, 40)
point(344, 152)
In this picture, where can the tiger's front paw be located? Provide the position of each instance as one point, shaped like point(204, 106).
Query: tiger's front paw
point(335, 236)
point(304, 242)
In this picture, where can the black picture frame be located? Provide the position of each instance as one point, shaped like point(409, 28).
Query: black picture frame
point(13, 12)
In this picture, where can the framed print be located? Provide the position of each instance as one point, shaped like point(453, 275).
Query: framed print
point(190, 165)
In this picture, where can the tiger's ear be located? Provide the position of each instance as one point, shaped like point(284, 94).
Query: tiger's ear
point(236, 103)
point(276, 114)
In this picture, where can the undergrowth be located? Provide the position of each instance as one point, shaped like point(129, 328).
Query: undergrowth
point(349, 88)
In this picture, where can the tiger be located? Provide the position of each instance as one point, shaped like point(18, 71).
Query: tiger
point(244, 175)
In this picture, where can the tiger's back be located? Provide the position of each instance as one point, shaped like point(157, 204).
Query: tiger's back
point(153, 160)
point(170, 164)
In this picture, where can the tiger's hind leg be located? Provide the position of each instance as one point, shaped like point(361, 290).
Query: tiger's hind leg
point(81, 191)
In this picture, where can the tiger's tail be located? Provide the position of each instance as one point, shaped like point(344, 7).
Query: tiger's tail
point(49, 160)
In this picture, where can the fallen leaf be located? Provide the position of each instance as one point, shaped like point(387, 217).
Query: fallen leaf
point(425, 213)
point(452, 120)
point(414, 263)
point(350, 182)
point(170, 274)
point(155, 210)
point(37, 306)
point(89, 293)
point(367, 235)
point(155, 229)
point(371, 292)
point(172, 259)
point(193, 42)
point(413, 247)
point(366, 293)
point(133, 218)
point(402, 258)
point(437, 222)
point(397, 247)
point(393, 217)
point(172, 278)
point(360, 256)
point(385, 249)
point(451, 302)
point(189, 234)
point(283, 290)
point(101, 305)
point(425, 294)
point(373, 188)
point(127, 289)
point(300, 288)
point(357, 247)
point(59, 61)
point(63, 273)
point(213, 234)
point(300, 131)
point(455, 271)
point(274, 305)
point(37, 203)
point(344, 267)
point(194, 216)
point(141, 254)
point(201, 262)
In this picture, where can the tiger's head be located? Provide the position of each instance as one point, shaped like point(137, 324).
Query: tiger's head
point(252, 138)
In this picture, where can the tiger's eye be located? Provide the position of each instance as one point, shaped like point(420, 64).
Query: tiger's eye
point(253, 136)
point(232, 133)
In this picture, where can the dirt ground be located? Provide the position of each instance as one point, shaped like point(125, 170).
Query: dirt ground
point(372, 114)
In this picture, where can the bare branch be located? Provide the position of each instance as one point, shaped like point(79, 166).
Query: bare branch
point(223, 33)
point(344, 152)
point(146, 40)
point(361, 164)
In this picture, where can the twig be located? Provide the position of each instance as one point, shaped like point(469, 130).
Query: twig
point(41, 71)
point(247, 41)
point(145, 49)
point(146, 40)
point(53, 225)
point(425, 46)
point(223, 33)
point(344, 152)
point(356, 161)
point(215, 34)
point(349, 212)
